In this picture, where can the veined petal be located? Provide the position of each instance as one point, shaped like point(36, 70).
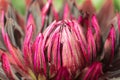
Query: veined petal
point(6, 67)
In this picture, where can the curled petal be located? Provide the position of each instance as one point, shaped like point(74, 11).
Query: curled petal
point(93, 72)
point(109, 46)
point(6, 67)
point(63, 74)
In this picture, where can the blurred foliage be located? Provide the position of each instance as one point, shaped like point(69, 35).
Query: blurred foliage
point(20, 5)
point(97, 3)
point(117, 5)
point(58, 4)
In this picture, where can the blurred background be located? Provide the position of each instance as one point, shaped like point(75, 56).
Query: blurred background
point(20, 5)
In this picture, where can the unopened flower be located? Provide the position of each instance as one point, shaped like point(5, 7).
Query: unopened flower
point(74, 43)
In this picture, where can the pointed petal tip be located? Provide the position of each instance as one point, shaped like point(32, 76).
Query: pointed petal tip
point(95, 23)
point(66, 11)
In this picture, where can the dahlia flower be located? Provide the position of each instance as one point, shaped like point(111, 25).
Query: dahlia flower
point(74, 43)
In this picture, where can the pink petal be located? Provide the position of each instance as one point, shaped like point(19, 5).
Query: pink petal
point(45, 9)
point(39, 57)
point(56, 15)
point(95, 24)
point(12, 50)
point(66, 12)
point(109, 46)
point(97, 35)
point(27, 47)
point(63, 74)
point(54, 56)
point(30, 21)
point(6, 67)
point(93, 72)
point(91, 45)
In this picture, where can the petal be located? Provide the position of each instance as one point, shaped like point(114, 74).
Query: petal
point(66, 12)
point(109, 46)
point(45, 9)
point(39, 57)
point(97, 35)
point(6, 67)
point(63, 74)
point(12, 50)
point(91, 45)
point(27, 47)
point(30, 21)
point(88, 7)
point(105, 15)
point(54, 54)
point(35, 11)
point(93, 72)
